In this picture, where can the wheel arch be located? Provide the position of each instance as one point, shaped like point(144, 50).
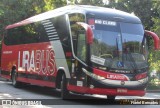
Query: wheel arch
point(60, 72)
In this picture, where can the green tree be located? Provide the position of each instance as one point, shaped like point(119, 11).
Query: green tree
point(90, 2)
point(156, 19)
point(141, 8)
point(15, 10)
point(154, 58)
point(12, 11)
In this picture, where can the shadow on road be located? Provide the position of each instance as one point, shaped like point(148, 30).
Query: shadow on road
point(74, 99)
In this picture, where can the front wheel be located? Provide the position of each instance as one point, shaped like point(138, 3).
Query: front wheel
point(64, 91)
point(111, 97)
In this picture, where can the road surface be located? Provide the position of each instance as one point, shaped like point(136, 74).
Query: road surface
point(7, 91)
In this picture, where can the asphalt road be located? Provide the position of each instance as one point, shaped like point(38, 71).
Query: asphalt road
point(7, 91)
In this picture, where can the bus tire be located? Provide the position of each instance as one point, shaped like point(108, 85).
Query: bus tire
point(64, 91)
point(15, 83)
point(111, 97)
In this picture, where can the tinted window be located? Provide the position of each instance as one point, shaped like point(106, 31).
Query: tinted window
point(132, 28)
point(31, 33)
point(81, 46)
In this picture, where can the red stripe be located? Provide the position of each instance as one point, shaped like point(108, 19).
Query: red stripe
point(109, 75)
point(5, 76)
point(101, 91)
point(37, 82)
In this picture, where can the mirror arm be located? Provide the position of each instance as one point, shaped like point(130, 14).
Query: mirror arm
point(89, 31)
point(155, 38)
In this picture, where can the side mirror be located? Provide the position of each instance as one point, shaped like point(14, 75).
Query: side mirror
point(155, 38)
point(89, 32)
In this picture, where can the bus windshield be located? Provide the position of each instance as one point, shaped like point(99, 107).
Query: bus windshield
point(118, 46)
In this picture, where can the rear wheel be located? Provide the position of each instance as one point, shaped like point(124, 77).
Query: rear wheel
point(15, 83)
point(64, 91)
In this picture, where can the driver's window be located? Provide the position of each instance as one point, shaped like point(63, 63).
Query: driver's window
point(81, 46)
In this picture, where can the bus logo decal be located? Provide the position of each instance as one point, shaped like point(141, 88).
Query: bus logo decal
point(37, 61)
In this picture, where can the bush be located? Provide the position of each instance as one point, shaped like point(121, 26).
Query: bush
point(153, 84)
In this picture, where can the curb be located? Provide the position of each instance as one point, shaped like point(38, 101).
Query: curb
point(3, 79)
point(153, 91)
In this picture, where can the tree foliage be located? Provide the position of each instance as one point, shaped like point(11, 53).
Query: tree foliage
point(148, 11)
point(15, 10)
point(12, 11)
point(90, 2)
point(156, 18)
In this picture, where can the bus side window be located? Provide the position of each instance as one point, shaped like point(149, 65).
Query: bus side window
point(75, 28)
point(81, 45)
point(74, 38)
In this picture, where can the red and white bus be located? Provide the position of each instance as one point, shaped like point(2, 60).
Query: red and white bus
point(80, 49)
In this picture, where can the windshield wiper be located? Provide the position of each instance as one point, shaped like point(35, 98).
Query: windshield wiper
point(130, 59)
point(118, 49)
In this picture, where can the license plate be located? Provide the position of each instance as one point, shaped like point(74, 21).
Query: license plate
point(121, 90)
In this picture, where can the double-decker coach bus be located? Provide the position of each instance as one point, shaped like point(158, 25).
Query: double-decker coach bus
point(79, 49)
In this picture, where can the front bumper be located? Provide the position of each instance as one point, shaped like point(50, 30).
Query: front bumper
point(117, 83)
point(103, 91)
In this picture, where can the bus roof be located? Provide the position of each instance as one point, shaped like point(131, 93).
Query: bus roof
point(93, 11)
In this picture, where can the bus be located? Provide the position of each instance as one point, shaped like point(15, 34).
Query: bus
point(79, 49)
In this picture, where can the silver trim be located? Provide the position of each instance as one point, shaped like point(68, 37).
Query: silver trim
point(51, 25)
point(126, 83)
point(44, 21)
point(52, 33)
point(116, 82)
point(47, 23)
point(49, 28)
point(60, 58)
point(52, 30)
